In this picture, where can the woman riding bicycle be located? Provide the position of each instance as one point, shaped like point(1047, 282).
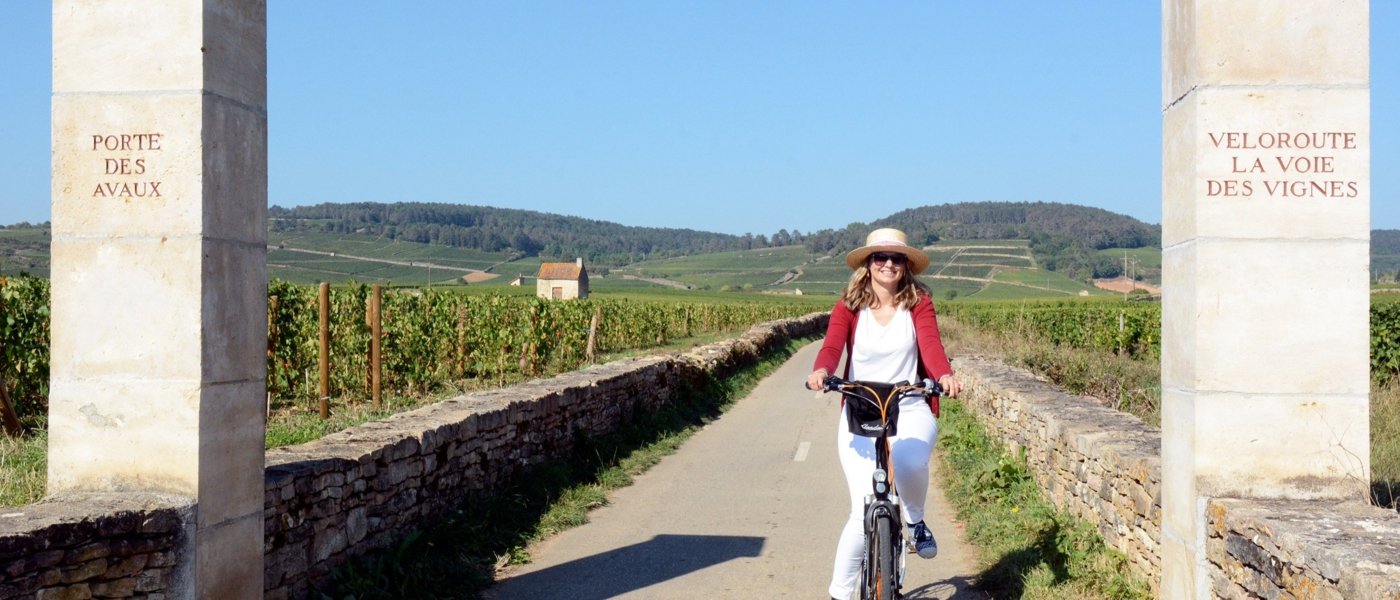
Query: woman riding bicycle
point(887, 327)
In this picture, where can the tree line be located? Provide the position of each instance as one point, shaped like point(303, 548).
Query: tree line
point(1053, 228)
point(1064, 237)
point(522, 232)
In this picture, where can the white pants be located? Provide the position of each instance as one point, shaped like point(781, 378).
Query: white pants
point(910, 449)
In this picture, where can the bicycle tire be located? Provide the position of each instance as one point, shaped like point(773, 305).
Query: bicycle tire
point(881, 563)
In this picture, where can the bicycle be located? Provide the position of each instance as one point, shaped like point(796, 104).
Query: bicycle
point(871, 413)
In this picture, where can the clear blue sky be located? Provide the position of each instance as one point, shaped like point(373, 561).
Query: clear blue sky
point(721, 116)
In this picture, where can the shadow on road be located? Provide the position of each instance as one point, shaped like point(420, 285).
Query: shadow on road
point(953, 588)
point(630, 568)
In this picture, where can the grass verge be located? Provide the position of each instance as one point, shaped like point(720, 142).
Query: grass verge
point(291, 425)
point(1385, 445)
point(23, 461)
point(1118, 381)
point(23, 468)
point(1027, 547)
point(1134, 386)
point(458, 556)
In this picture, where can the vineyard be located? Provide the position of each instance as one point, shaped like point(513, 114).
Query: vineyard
point(1132, 328)
point(429, 337)
point(1135, 328)
point(433, 337)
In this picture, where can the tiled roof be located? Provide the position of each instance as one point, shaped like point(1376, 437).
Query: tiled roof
point(568, 270)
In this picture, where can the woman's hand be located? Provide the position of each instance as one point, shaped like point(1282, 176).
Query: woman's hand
point(814, 381)
point(951, 386)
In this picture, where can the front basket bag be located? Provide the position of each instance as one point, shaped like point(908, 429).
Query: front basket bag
point(863, 413)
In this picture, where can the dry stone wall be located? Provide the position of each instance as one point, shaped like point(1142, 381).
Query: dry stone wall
point(1298, 549)
point(93, 546)
point(1104, 466)
point(361, 489)
point(1094, 462)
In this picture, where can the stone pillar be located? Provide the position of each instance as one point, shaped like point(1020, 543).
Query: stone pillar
point(1265, 237)
point(159, 273)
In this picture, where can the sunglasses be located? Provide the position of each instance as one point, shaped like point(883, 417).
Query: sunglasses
point(881, 258)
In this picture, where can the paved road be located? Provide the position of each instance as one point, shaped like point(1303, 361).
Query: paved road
point(750, 507)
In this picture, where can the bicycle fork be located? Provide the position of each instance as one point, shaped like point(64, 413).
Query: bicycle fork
point(884, 506)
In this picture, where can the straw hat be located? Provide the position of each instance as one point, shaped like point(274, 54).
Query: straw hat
point(888, 240)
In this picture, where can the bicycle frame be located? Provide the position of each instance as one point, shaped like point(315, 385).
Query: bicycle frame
point(884, 522)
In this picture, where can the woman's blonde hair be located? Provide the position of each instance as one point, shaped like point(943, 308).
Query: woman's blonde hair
point(860, 294)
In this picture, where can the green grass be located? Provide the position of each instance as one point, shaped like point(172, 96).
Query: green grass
point(941, 287)
point(955, 244)
point(1134, 386)
point(458, 555)
point(1007, 261)
point(24, 251)
point(962, 270)
point(970, 258)
point(743, 270)
point(304, 424)
point(1046, 279)
point(22, 462)
point(1119, 381)
point(23, 468)
point(1146, 257)
point(766, 259)
point(1028, 549)
point(299, 424)
point(1006, 291)
point(746, 280)
point(450, 263)
point(1385, 444)
point(376, 247)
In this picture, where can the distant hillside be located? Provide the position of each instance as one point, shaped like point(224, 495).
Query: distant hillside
point(1063, 237)
point(1074, 241)
point(524, 232)
point(1385, 255)
point(24, 249)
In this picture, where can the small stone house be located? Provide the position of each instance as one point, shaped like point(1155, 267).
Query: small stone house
point(561, 281)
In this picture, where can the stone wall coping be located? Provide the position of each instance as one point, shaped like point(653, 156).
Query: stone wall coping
point(1080, 422)
point(362, 442)
point(1354, 545)
point(366, 441)
point(63, 509)
point(360, 488)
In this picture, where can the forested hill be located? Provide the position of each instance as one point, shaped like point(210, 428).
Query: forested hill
point(1050, 226)
point(490, 229)
point(1045, 222)
point(1094, 227)
point(1385, 254)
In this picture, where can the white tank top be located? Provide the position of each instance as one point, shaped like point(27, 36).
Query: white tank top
point(885, 353)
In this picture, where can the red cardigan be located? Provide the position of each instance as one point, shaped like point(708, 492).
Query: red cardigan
point(933, 360)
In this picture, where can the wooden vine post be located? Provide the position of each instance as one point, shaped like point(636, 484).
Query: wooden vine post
point(376, 333)
point(7, 408)
point(325, 362)
point(12, 427)
point(591, 352)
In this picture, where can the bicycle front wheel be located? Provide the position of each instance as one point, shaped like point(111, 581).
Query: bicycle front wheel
point(882, 562)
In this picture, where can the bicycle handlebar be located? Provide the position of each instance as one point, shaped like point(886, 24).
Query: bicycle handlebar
point(928, 386)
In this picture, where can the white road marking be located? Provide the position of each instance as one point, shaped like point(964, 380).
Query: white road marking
point(802, 451)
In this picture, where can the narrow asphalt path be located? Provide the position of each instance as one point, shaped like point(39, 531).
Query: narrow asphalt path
point(750, 507)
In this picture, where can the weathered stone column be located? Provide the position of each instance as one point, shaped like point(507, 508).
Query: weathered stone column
point(1266, 230)
point(159, 272)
